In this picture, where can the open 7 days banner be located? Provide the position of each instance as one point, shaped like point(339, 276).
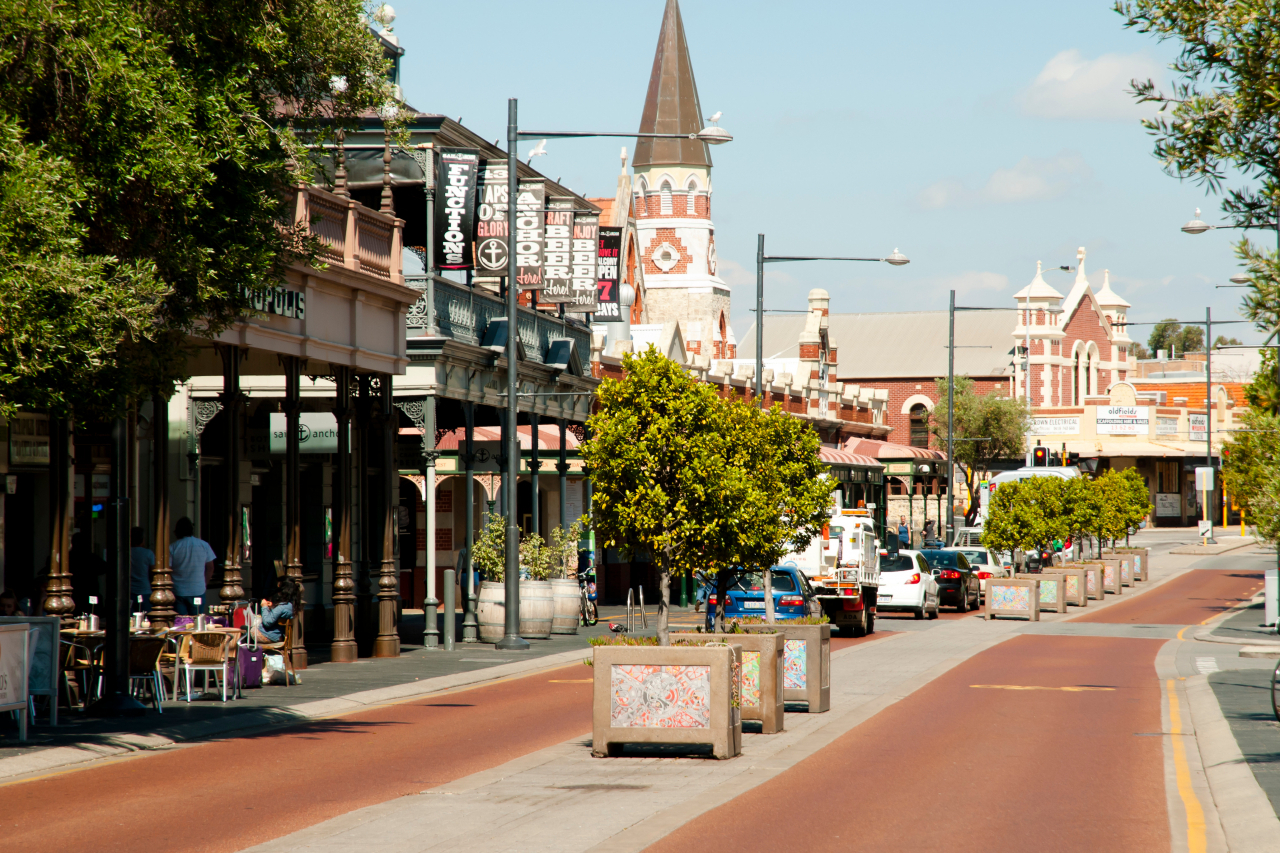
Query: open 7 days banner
point(608, 307)
point(586, 243)
point(456, 207)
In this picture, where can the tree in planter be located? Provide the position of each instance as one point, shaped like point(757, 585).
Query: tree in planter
point(1001, 422)
point(490, 549)
point(145, 159)
point(1027, 515)
point(1139, 504)
point(659, 455)
point(1251, 472)
point(563, 549)
point(1105, 512)
point(789, 497)
point(1080, 501)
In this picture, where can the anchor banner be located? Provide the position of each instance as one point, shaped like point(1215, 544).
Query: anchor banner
point(491, 218)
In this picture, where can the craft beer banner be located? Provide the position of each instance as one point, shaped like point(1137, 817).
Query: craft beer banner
point(530, 199)
point(608, 281)
point(586, 243)
point(558, 280)
point(456, 207)
point(491, 218)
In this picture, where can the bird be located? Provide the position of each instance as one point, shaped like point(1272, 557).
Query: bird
point(715, 117)
point(538, 150)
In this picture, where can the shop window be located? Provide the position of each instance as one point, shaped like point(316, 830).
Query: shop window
point(919, 425)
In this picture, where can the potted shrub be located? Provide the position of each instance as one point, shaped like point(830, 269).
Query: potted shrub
point(644, 693)
point(489, 558)
point(565, 593)
point(537, 606)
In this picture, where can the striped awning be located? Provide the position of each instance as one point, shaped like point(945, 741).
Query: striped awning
point(831, 456)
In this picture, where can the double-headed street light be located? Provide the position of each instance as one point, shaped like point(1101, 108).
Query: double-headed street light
point(896, 259)
point(710, 134)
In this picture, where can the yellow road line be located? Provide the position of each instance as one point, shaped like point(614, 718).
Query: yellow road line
point(1190, 803)
point(1181, 632)
point(1021, 687)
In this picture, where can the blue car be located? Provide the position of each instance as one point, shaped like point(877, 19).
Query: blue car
point(792, 595)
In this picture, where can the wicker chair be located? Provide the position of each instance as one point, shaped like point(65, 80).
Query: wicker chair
point(207, 651)
point(144, 667)
point(285, 648)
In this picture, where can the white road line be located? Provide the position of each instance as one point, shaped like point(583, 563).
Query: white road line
point(1206, 665)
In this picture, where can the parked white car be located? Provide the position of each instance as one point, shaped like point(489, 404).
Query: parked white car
point(907, 583)
point(985, 563)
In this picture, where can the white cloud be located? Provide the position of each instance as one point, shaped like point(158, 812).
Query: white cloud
point(973, 281)
point(1072, 87)
point(1031, 179)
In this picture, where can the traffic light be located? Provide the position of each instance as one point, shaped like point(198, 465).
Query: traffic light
point(1039, 457)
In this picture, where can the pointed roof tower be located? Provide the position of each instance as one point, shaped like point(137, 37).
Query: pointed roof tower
point(671, 105)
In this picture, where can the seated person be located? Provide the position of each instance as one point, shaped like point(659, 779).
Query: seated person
point(9, 604)
point(277, 610)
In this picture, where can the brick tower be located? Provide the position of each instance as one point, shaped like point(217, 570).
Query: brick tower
point(673, 204)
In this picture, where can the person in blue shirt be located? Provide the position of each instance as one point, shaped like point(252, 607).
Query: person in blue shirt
point(192, 562)
point(141, 561)
point(904, 532)
point(278, 610)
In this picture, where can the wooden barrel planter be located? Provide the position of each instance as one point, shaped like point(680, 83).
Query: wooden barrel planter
point(491, 611)
point(566, 597)
point(537, 609)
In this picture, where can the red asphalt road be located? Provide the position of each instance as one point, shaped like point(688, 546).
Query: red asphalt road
point(1189, 599)
point(267, 785)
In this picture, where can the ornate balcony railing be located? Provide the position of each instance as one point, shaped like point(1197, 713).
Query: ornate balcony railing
point(350, 234)
point(464, 313)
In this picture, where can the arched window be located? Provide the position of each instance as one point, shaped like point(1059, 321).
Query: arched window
point(664, 193)
point(919, 425)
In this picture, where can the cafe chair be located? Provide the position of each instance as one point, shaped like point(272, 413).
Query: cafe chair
point(79, 671)
point(207, 652)
point(285, 649)
point(144, 668)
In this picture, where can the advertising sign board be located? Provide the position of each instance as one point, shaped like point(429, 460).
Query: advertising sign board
point(455, 207)
point(491, 218)
point(1123, 420)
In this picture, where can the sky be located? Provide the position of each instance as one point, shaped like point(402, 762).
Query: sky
point(977, 138)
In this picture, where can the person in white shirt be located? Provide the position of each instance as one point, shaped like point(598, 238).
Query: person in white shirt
point(192, 562)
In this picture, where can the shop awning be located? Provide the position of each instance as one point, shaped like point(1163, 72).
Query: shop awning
point(831, 456)
point(1113, 447)
point(548, 437)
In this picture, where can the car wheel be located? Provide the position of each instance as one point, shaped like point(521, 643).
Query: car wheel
point(871, 622)
point(859, 624)
point(934, 613)
point(919, 612)
point(963, 606)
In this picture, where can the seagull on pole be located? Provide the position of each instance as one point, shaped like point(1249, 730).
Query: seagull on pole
point(715, 118)
point(538, 150)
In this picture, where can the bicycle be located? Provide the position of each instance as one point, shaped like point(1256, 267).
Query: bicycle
point(588, 615)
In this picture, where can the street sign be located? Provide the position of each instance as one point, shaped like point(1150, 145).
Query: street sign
point(1204, 479)
point(1205, 528)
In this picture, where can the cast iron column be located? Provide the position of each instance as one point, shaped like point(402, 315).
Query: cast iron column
point(343, 648)
point(470, 628)
point(429, 456)
point(562, 468)
point(232, 405)
point(512, 639)
point(388, 643)
point(759, 314)
point(293, 497)
point(534, 464)
point(162, 597)
point(58, 599)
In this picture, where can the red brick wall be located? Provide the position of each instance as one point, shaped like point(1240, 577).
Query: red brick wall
point(1085, 325)
point(667, 235)
point(902, 389)
point(652, 206)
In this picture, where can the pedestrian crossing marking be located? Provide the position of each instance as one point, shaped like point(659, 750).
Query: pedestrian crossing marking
point(1207, 665)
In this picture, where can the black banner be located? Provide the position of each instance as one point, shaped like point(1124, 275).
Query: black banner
point(456, 207)
point(530, 199)
point(586, 245)
point(491, 218)
point(608, 276)
point(558, 278)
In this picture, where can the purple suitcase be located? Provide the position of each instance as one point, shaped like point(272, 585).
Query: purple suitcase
point(249, 666)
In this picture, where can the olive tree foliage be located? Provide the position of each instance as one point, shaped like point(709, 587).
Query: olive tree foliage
point(1251, 472)
point(1138, 506)
point(1001, 423)
point(146, 151)
point(1218, 122)
point(1027, 515)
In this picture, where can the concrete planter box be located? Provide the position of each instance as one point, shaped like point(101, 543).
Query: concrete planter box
point(1092, 579)
point(1111, 567)
point(1016, 597)
point(1075, 585)
point(1053, 597)
point(666, 694)
point(806, 664)
point(762, 680)
point(1141, 558)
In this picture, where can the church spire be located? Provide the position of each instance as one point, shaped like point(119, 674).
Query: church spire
point(671, 105)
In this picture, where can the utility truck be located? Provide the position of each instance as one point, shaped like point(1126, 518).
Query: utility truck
point(843, 566)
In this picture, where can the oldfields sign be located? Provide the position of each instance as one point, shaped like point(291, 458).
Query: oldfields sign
point(455, 207)
point(1055, 426)
point(608, 279)
point(1123, 420)
point(317, 433)
point(491, 218)
point(1199, 427)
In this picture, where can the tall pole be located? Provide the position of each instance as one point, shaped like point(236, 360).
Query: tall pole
point(511, 639)
point(431, 638)
point(951, 417)
point(759, 314)
point(469, 624)
point(1208, 416)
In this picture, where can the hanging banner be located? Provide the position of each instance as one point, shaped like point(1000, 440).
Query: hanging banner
point(586, 245)
point(491, 218)
point(557, 272)
point(456, 207)
point(608, 279)
point(529, 234)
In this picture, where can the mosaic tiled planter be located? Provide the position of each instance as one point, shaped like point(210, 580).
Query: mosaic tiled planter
point(1075, 584)
point(1092, 579)
point(1111, 568)
point(1141, 558)
point(762, 682)
point(667, 695)
point(1052, 590)
point(1016, 597)
point(806, 664)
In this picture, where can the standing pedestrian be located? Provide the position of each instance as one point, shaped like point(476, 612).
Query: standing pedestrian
point(141, 561)
point(192, 562)
point(904, 532)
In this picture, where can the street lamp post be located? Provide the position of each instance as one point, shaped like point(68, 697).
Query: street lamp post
point(712, 135)
point(897, 259)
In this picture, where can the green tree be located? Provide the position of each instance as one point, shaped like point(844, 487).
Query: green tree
point(1262, 392)
point(1027, 515)
point(1138, 350)
point(659, 454)
point(1218, 123)
point(1171, 335)
point(1224, 341)
point(988, 427)
point(146, 149)
point(1138, 506)
point(1251, 471)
